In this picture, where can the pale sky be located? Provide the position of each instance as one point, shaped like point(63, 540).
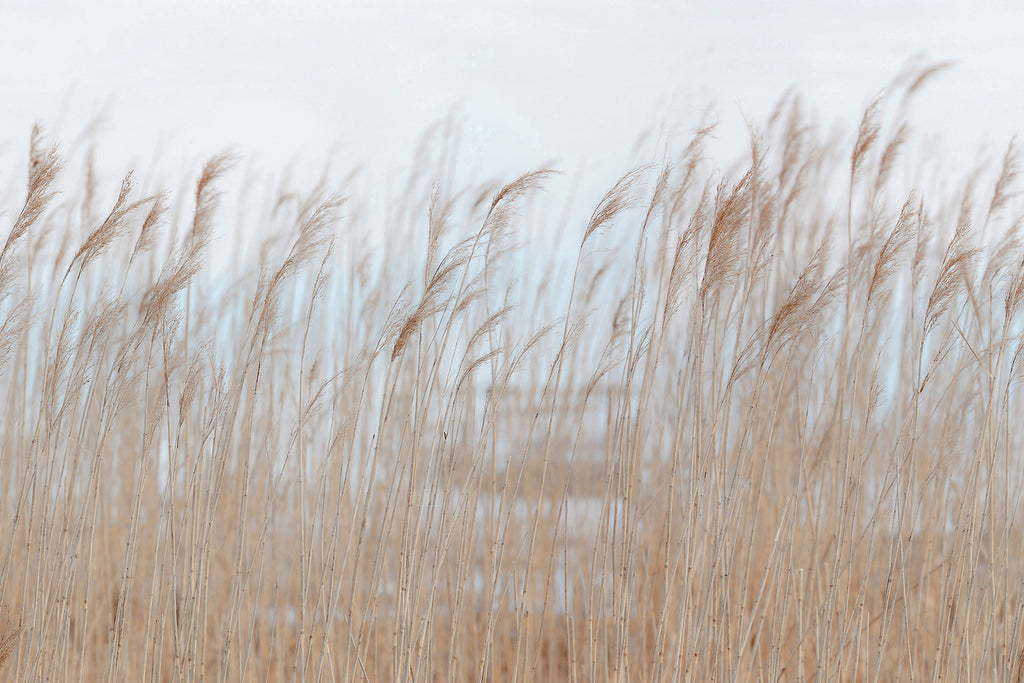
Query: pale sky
point(569, 80)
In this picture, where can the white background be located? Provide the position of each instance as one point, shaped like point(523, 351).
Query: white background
point(572, 81)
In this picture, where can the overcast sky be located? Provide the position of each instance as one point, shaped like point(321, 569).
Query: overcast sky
point(576, 81)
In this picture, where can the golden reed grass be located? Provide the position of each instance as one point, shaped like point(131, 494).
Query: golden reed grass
point(762, 426)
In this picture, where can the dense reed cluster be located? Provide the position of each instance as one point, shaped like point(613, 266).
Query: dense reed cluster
point(744, 425)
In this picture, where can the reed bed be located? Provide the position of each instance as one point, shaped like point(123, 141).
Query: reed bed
point(759, 424)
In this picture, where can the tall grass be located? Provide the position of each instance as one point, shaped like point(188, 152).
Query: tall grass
point(763, 426)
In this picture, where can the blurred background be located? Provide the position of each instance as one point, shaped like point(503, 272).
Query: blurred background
point(591, 86)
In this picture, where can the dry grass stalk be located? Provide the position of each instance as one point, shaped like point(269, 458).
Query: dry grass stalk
point(10, 629)
point(738, 448)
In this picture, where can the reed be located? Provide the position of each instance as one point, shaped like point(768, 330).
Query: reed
point(751, 425)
